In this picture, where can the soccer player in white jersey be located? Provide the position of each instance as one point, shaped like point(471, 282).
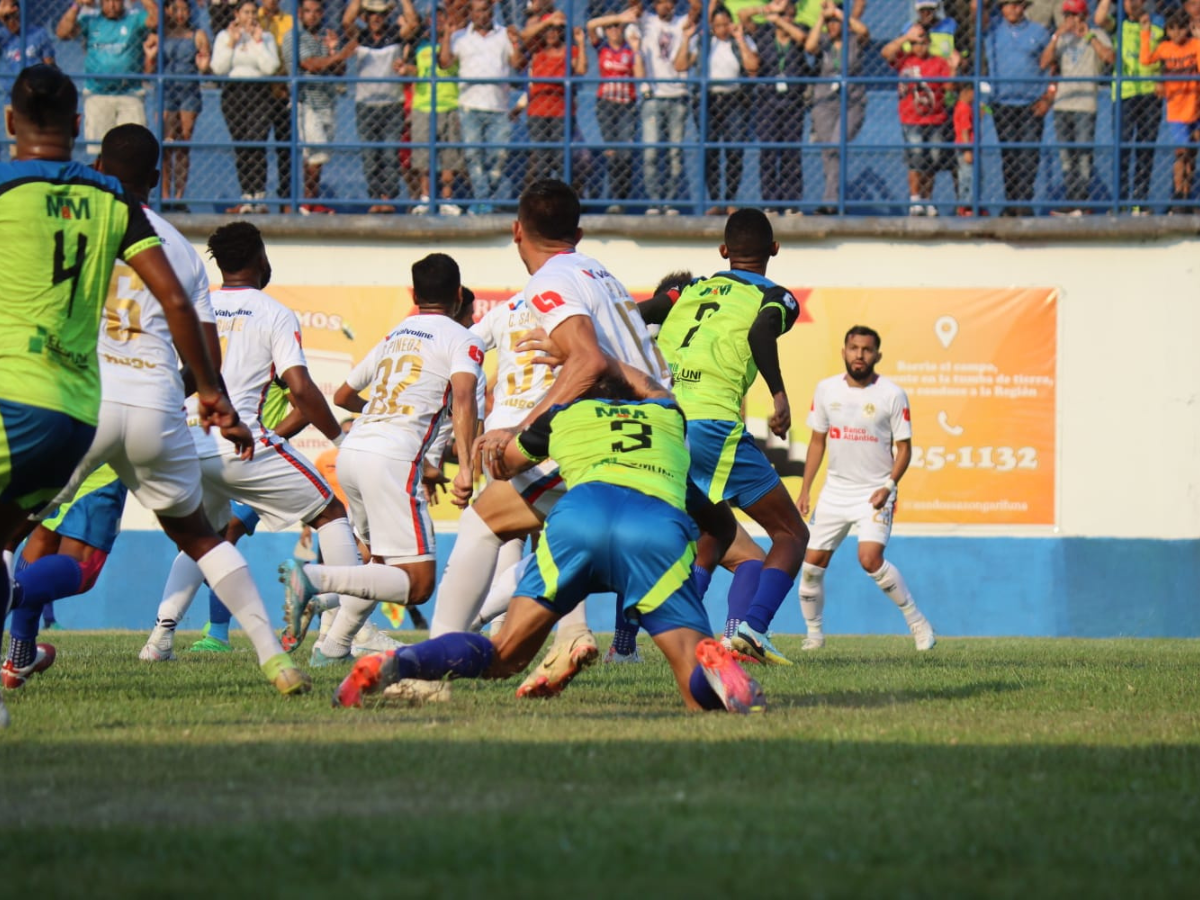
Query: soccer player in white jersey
point(261, 339)
point(594, 322)
point(427, 362)
point(859, 416)
point(142, 433)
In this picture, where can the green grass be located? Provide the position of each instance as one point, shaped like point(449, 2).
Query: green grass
point(1000, 768)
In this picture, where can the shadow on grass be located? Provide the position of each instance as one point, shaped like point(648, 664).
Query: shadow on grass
point(877, 698)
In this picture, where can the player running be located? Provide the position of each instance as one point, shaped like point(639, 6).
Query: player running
point(859, 416)
point(626, 464)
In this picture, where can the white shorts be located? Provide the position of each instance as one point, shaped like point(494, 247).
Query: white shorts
point(387, 503)
point(152, 453)
point(279, 484)
point(541, 487)
point(835, 514)
point(316, 127)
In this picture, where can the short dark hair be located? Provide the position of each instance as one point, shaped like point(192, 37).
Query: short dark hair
point(436, 281)
point(863, 331)
point(676, 280)
point(1179, 19)
point(550, 210)
point(234, 246)
point(466, 312)
point(611, 386)
point(130, 152)
point(45, 96)
point(748, 232)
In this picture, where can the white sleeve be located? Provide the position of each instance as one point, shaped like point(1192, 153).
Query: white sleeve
point(222, 54)
point(817, 419)
point(552, 300)
point(437, 450)
point(286, 349)
point(363, 374)
point(456, 40)
point(201, 297)
point(467, 357)
point(485, 332)
point(901, 417)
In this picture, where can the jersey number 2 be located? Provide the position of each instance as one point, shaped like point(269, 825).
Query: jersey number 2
point(702, 312)
point(63, 272)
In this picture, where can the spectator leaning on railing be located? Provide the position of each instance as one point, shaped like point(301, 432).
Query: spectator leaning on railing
point(383, 46)
point(1141, 112)
point(826, 43)
point(1076, 51)
point(1180, 55)
point(279, 102)
point(112, 46)
point(1020, 99)
point(246, 53)
point(618, 56)
point(547, 115)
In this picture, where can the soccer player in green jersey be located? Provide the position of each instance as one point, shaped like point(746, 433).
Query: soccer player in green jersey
point(718, 335)
point(623, 526)
point(62, 227)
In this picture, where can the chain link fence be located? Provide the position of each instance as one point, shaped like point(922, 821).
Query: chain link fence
point(871, 108)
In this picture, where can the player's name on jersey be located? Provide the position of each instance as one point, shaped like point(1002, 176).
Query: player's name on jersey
point(132, 362)
point(407, 342)
point(518, 403)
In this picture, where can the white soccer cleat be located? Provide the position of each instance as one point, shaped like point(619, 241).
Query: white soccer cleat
point(159, 646)
point(814, 641)
point(415, 692)
point(371, 640)
point(922, 633)
point(612, 656)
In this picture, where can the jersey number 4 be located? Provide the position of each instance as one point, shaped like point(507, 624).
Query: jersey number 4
point(634, 435)
point(63, 272)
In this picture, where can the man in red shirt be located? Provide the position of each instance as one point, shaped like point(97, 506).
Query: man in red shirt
point(922, 112)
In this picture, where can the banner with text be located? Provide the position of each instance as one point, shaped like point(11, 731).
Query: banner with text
point(979, 367)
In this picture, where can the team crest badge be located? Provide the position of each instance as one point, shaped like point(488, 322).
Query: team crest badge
point(869, 410)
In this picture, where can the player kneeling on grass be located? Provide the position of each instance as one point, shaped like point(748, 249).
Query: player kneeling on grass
point(623, 526)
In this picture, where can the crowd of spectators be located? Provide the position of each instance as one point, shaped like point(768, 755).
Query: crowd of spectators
point(781, 78)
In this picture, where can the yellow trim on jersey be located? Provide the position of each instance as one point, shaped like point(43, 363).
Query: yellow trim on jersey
point(716, 492)
point(548, 569)
point(671, 581)
point(144, 244)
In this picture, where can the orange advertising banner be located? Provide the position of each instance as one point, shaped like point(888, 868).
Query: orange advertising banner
point(979, 368)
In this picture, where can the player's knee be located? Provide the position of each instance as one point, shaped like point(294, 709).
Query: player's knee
point(870, 560)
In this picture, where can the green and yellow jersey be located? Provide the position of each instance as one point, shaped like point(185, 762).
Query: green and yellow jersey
point(62, 226)
point(705, 340)
point(634, 444)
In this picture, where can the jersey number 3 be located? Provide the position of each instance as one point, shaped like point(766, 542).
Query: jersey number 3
point(634, 436)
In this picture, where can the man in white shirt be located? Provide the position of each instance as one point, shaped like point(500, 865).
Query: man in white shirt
point(428, 361)
point(665, 101)
point(859, 416)
point(485, 51)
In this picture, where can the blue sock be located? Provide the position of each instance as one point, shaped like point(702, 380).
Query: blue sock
point(624, 635)
point(741, 593)
point(773, 587)
point(48, 579)
point(702, 691)
point(218, 618)
point(455, 655)
point(703, 579)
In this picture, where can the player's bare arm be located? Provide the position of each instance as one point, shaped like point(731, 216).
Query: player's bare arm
point(293, 423)
point(764, 347)
point(644, 387)
point(812, 464)
point(349, 399)
point(307, 398)
point(903, 457)
point(465, 418)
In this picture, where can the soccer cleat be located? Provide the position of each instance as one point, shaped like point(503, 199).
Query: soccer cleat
point(560, 666)
point(738, 691)
point(612, 656)
point(318, 660)
point(922, 633)
point(14, 678)
point(209, 644)
point(288, 680)
point(367, 677)
point(742, 658)
point(159, 646)
point(814, 641)
point(414, 692)
point(750, 642)
point(297, 591)
point(371, 640)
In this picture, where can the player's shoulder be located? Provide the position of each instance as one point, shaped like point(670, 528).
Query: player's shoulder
point(886, 386)
point(831, 384)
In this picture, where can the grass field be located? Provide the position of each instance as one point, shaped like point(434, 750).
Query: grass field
point(985, 768)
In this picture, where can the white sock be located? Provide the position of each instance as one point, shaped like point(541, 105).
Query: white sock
point(571, 625)
point(497, 625)
point(356, 608)
point(227, 574)
point(891, 582)
point(183, 581)
point(812, 597)
point(338, 547)
point(467, 576)
point(327, 618)
point(504, 586)
point(374, 582)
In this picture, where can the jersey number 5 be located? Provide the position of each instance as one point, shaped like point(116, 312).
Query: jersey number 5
point(639, 439)
point(702, 312)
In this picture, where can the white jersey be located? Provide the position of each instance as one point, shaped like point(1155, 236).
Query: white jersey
point(408, 374)
point(520, 385)
point(138, 362)
point(571, 284)
point(861, 424)
point(260, 340)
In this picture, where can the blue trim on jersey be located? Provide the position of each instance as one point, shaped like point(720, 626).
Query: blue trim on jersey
point(753, 278)
point(14, 172)
point(95, 519)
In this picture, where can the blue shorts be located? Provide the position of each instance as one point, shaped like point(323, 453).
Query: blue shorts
point(1182, 133)
point(601, 537)
point(182, 97)
point(95, 519)
point(39, 449)
point(245, 515)
point(727, 464)
point(918, 152)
